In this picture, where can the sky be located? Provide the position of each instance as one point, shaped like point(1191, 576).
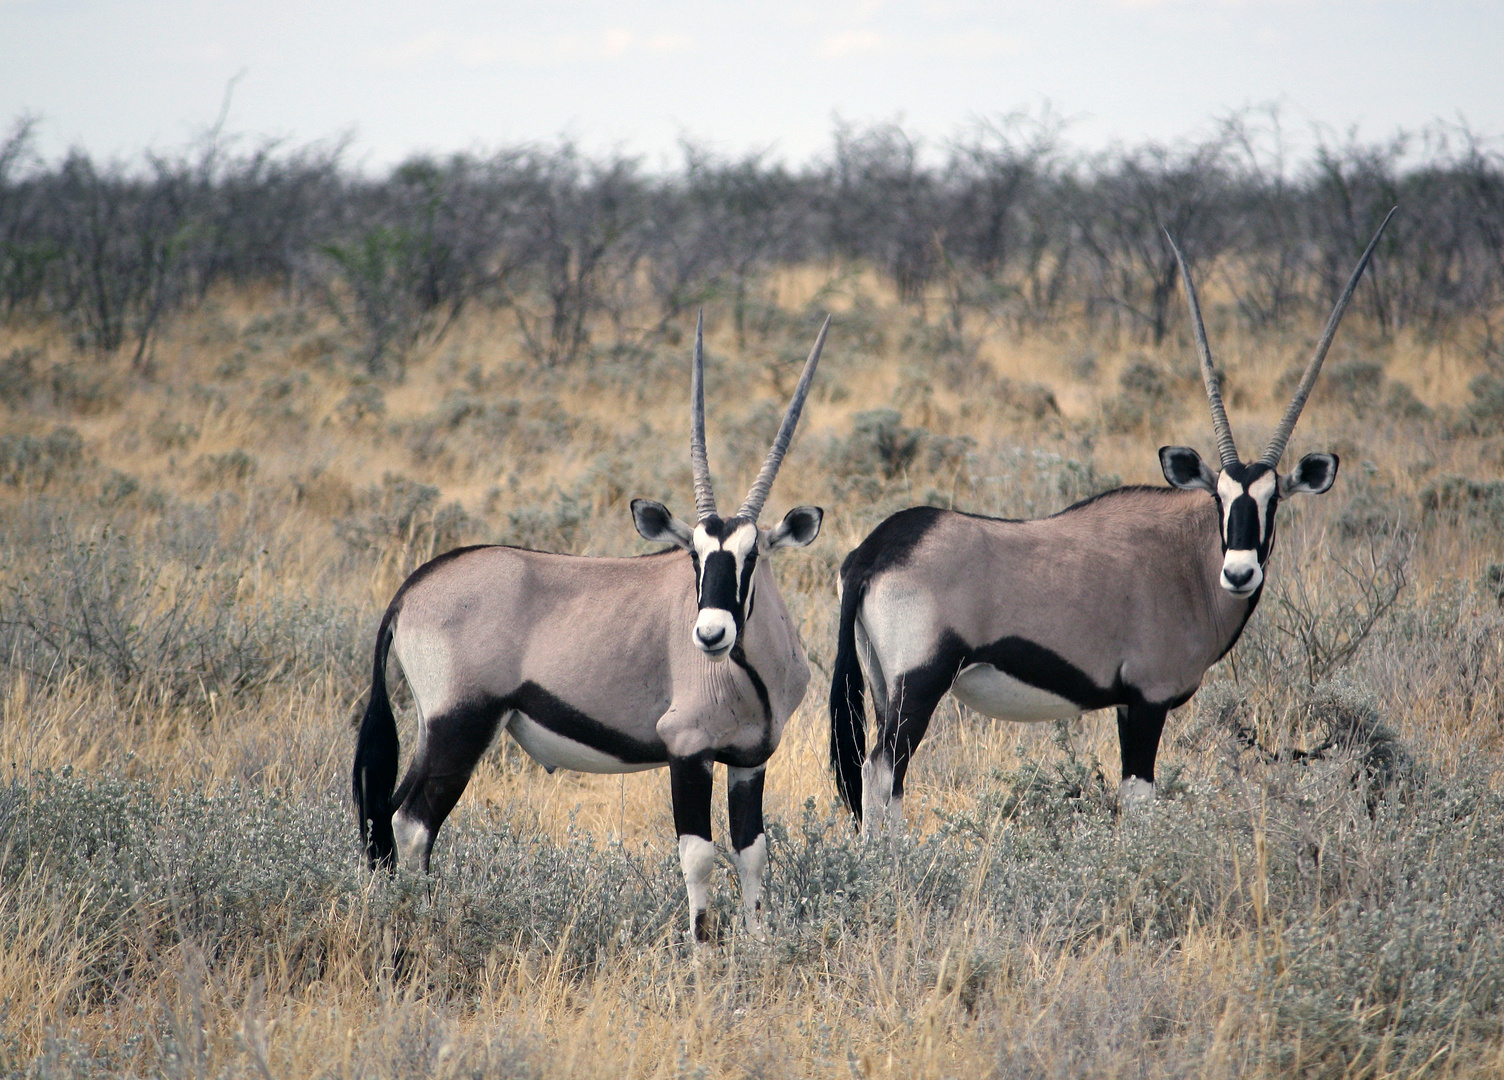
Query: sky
point(117, 77)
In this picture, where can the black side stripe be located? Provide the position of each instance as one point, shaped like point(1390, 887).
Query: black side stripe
point(563, 719)
point(1029, 663)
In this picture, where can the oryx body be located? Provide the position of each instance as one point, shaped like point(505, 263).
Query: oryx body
point(1123, 600)
point(681, 658)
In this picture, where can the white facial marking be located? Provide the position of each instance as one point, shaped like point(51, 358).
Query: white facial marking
point(1237, 561)
point(751, 863)
point(412, 840)
point(1263, 490)
point(715, 629)
point(1228, 489)
point(1135, 793)
point(697, 860)
point(1001, 696)
point(714, 632)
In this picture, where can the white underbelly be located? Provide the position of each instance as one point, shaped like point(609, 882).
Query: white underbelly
point(993, 693)
point(554, 751)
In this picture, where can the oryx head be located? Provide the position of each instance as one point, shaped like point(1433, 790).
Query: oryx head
point(725, 550)
point(1248, 494)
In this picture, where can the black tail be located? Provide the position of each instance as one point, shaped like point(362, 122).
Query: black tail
point(848, 712)
point(376, 751)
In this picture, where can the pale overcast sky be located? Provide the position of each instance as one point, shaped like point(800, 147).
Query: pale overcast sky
point(116, 76)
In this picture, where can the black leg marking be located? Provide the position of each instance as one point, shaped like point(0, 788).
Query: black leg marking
point(749, 847)
point(907, 717)
point(691, 781)
point(1139, 727)
point(452, 745)
point(744, 806)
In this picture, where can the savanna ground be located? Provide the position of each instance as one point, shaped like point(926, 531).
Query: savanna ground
point(195, 551)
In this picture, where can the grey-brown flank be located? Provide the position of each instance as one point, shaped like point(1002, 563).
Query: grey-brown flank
point(1123, 600)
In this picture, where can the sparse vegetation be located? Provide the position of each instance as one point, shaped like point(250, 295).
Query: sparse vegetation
point(201, 522)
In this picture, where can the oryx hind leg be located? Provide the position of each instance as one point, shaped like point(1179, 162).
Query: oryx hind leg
point(451, 746)
point(749, 845)
point(691, 782)
point(903, 719)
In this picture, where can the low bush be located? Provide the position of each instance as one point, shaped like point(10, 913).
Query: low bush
point(33, 461)
point(158, 610)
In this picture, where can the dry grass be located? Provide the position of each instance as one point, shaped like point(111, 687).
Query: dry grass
point(254, 473)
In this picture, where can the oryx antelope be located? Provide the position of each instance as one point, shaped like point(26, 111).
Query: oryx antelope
point(681, 658)
point(1124, 599)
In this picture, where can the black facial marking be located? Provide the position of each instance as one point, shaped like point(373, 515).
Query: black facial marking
point(718, 584)
point(745, 586)
point(1240, 526)
point(548, 711)
point(1242, 529)
point(719, 528)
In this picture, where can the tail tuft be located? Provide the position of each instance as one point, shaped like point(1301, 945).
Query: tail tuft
point(848, 712)
point(374, 774)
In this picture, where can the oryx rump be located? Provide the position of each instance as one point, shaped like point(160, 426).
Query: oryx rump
point(681, 658)
point(1122, 600)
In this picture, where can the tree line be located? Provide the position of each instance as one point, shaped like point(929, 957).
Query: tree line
point(590, 253)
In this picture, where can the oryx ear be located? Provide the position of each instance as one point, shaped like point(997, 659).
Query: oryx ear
point(1184, 469)
point(655, 523)
point(798, 528)
point(1312, 475)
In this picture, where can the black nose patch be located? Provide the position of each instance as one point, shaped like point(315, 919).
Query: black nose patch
point(718, 582)
point(1243, 525)
point(1238, 578)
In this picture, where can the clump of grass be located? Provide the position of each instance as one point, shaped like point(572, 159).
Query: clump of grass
point(34, 461)
point(157, 610)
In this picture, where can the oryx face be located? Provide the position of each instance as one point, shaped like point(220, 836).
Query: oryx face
point(724, 552)
point(1247, 497)
point(725, 555)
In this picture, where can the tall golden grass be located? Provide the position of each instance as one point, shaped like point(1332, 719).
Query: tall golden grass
point(250, 410)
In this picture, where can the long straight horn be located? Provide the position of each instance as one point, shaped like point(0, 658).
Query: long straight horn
point(698, 462)
point(1281, 435)
point(1226, 449)
point(758, 495)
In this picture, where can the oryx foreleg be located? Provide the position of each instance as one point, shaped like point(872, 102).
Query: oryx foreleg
point(749, 845)
point(691, 779)
point(1139, 727)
